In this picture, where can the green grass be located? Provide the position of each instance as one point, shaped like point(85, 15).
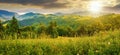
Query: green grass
point(101, 44)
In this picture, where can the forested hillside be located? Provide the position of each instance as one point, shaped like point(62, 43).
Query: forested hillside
point(54, 26)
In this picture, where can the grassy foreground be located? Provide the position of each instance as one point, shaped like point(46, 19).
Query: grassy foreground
point(101, 44)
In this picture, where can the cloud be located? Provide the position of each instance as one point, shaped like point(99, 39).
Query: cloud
point(118, 1)
point(117, 6)
point(48, 3)
point(42, 3)
point(115, 9)
point(58, 5)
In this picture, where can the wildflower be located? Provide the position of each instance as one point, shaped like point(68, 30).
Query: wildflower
point(108, 43)
point(96, 51)
point(77, 53)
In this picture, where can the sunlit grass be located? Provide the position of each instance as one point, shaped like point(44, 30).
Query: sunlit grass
point(100, 44)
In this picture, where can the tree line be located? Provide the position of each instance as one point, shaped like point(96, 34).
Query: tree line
point(79, 28)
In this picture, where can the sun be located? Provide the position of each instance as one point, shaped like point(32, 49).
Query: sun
point(95, 6)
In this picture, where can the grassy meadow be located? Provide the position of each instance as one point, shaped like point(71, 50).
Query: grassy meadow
point(64, 35)
point(104, 43)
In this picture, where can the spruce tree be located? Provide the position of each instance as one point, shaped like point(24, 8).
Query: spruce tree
point(1, 26)
point(1, 30)
point(13, 26)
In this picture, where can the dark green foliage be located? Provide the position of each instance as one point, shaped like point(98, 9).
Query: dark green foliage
point(1, 26)
point(82, 30)
point(41, 29)
point(27, 28)
point(62, 31)
point(13, 26)
point(1, 30)
point(52, 29)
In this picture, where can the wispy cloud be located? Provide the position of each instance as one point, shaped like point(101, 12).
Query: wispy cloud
point(43, 3)
point(56, 5)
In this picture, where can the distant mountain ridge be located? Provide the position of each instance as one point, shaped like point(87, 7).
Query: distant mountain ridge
point(7, 14)
point(31, 18)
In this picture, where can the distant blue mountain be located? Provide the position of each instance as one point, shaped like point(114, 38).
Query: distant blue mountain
point(3, 12)
point(7, 14)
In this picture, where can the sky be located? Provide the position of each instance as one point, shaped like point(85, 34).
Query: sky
point(54, 6)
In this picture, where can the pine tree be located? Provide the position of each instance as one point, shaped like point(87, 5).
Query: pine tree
point(1, 30)
point(1, 26)
point(13, 26)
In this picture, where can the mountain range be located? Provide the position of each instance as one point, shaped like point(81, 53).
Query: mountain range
point(28, 18)
point(7, 15)
point(31, 18)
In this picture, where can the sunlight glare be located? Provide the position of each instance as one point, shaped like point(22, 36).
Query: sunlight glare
point(95, 6)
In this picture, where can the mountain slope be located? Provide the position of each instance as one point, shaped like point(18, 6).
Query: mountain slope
point(6, 15)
